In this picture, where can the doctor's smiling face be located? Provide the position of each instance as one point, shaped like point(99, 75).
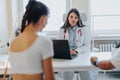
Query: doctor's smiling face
point(72, 19)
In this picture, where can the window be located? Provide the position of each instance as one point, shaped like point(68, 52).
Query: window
point(105, 16)
point(57, 10)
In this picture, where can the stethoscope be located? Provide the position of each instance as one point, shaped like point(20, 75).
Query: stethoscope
point(79, 33)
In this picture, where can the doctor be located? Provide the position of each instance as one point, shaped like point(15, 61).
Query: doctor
point(77, 35)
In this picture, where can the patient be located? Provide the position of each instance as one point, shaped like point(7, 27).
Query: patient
point(30, 54)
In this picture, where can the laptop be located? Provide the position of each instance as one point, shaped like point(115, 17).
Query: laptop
point(62, 50)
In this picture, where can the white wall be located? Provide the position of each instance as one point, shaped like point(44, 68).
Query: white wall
point(14, 11)
point(17, 12)
point(83, 7)
point(3, 21)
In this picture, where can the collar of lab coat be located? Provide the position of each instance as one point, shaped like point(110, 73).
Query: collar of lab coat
point(77, 34)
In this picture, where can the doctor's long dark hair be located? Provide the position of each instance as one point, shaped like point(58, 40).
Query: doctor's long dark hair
point(67, 24)
point(34, 10)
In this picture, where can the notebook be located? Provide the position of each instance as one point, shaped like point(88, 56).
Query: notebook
point(62, 50)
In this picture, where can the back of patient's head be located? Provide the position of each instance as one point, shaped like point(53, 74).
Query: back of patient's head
point(34, 11)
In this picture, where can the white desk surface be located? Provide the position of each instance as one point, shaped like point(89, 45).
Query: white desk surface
point(80, 63)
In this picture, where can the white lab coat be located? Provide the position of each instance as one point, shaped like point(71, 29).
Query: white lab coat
point(83, 46)
point(82, 39)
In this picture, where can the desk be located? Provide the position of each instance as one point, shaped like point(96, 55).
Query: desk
point(80, 63)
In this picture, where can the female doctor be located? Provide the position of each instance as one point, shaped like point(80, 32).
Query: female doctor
point(77, 35)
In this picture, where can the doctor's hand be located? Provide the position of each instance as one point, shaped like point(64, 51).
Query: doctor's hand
point(73, 52)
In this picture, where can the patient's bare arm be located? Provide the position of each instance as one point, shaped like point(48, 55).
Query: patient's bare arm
point(104, 64)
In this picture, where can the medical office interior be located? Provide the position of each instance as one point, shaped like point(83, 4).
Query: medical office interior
point(100, 16)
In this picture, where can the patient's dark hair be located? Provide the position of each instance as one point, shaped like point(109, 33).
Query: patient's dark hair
point(67, 24)
point(34, 10)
